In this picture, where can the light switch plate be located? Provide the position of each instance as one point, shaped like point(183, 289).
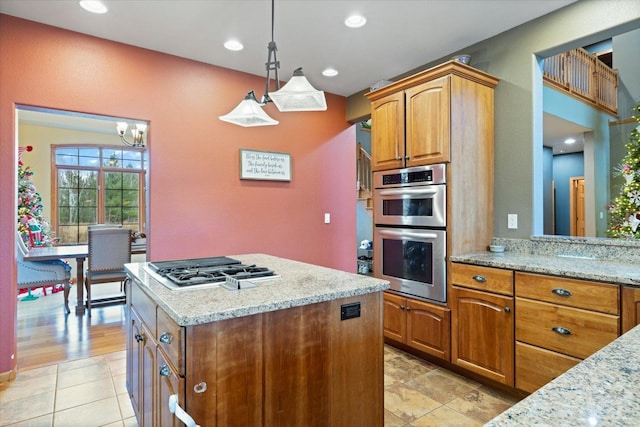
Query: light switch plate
point(327, 218)
point(512, 221)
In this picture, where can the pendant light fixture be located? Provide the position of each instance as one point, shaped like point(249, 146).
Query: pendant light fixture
point(296, 95)
point(137, 131)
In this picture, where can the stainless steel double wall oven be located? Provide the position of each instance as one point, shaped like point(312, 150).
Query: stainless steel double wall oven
point(410, 207)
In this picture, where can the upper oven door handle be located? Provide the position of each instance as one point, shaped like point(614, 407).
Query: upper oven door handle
point(409, 191)
point(415, 235)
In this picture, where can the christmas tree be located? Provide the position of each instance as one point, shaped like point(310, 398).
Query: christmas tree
point(624, 211)
point(32, 226)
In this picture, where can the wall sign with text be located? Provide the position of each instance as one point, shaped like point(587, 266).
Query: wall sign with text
point(265, 165)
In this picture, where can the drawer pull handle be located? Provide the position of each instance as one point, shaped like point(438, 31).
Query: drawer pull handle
point(166, 338)
point(165, 371)
point(201, 387)
point(139, 338)
point(561, 292)
point(480, 279)
point(560, 330)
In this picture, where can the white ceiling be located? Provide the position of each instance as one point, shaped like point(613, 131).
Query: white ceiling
point(556, 132)
point(400, 35)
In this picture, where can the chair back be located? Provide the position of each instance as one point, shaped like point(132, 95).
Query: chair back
point(109, 249)
point(21, 248)
point(101, 226)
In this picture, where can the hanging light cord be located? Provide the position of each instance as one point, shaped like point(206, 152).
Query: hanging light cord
point(272, 62)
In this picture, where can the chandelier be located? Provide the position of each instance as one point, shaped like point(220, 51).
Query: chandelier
point(137, 131)
point(296, 95)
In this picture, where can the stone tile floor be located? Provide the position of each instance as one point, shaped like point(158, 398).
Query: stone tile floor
point(91, 392)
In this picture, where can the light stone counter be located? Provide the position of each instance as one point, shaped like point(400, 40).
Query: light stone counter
point(601, 270)
point(603, 390)
point(299, 284)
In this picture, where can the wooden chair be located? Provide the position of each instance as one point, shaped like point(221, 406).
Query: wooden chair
point(33, 274)
point(109, 251)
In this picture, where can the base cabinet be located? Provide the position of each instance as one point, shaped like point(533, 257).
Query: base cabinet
point(630, 308)
point(423, 326)
point(297, 366)
point(560, 322)
point(482, 329)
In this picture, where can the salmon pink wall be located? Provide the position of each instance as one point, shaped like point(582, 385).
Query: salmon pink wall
point(198, 206)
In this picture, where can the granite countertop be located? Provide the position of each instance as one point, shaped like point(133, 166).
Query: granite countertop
point(588, 268)
point(604, 389)
point(299, 284)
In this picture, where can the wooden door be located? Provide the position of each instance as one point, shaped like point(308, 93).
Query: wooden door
point(428, 118)
point(576, 206)
point(482, 337)
point(428, 328)
point(387, 132)
point(395, 324)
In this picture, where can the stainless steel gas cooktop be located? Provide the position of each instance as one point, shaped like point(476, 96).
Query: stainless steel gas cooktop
point(201, 272)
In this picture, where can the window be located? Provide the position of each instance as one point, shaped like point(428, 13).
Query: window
point(96, 185)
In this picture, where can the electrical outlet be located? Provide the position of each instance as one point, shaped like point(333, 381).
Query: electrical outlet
point(327, 218)
point(512, 221)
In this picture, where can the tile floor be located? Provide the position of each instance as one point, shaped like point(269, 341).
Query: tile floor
point(91, 392)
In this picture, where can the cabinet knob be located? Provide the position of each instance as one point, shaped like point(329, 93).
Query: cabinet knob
point(560, 330)
point(480, 279)
point(507, 309)
point(138, 337)
point(407, 158)
point(561, 292)
point(165, 371)
point(166, 338)
point(402, 307)
point(408, 308)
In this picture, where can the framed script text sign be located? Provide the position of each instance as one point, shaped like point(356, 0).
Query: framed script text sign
point(265, 165)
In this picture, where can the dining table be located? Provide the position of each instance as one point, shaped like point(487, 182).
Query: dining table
point(79, 252)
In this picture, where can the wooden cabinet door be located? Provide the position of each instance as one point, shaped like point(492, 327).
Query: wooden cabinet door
point(395, 324)
point(387, 132)
point(148, 378)
point(428, 121)
point(483, 334)
point(630, 308)
point(134, 363)
point(428, 328)
point(169, 382)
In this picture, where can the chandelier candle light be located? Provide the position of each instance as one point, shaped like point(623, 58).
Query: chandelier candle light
point(296, 95)
point(137, 132)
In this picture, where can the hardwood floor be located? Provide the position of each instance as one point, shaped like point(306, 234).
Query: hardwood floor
point(46, 335)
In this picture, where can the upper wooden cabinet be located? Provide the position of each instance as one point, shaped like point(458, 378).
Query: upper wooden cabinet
point(419, 120)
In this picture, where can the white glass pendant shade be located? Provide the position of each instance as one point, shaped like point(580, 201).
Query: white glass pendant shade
point(299, 95)
point(249, 113)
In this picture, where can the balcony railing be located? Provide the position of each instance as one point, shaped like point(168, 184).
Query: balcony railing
point(582, 75)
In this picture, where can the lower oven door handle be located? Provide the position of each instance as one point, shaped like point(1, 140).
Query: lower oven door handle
point(409, 191)
point(407, 234)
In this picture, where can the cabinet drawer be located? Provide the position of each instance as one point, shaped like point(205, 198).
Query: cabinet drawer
point(573, 293)
point(145, 307)
point(171, 340)
point(483, 278)
point(571, 331)
point(536, 366)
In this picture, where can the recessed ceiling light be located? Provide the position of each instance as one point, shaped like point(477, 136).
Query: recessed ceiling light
point(93, 6)
point(569, 141)
point(330, 72)
point(355, 21)
point(233, 45)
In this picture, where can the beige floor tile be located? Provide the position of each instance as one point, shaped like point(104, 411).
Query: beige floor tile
point(92, 414)
point(120, 383)
point(26, 408)
point(80, 363)
point(83, 375)
point(117, 366)
point(23, 387)
point(499, 394)
point(126, 409)
point(407, 403)
point(479, 405)
point(84, 393)
point(131, 422)
point(43, 421)
point(116, 355)
point(116, 424)
point(441, 385)
point(391, 420)
point(403, 369)
point(37, 372)
point(444, 417)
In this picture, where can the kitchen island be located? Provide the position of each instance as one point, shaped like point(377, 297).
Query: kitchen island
point(303, 348)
